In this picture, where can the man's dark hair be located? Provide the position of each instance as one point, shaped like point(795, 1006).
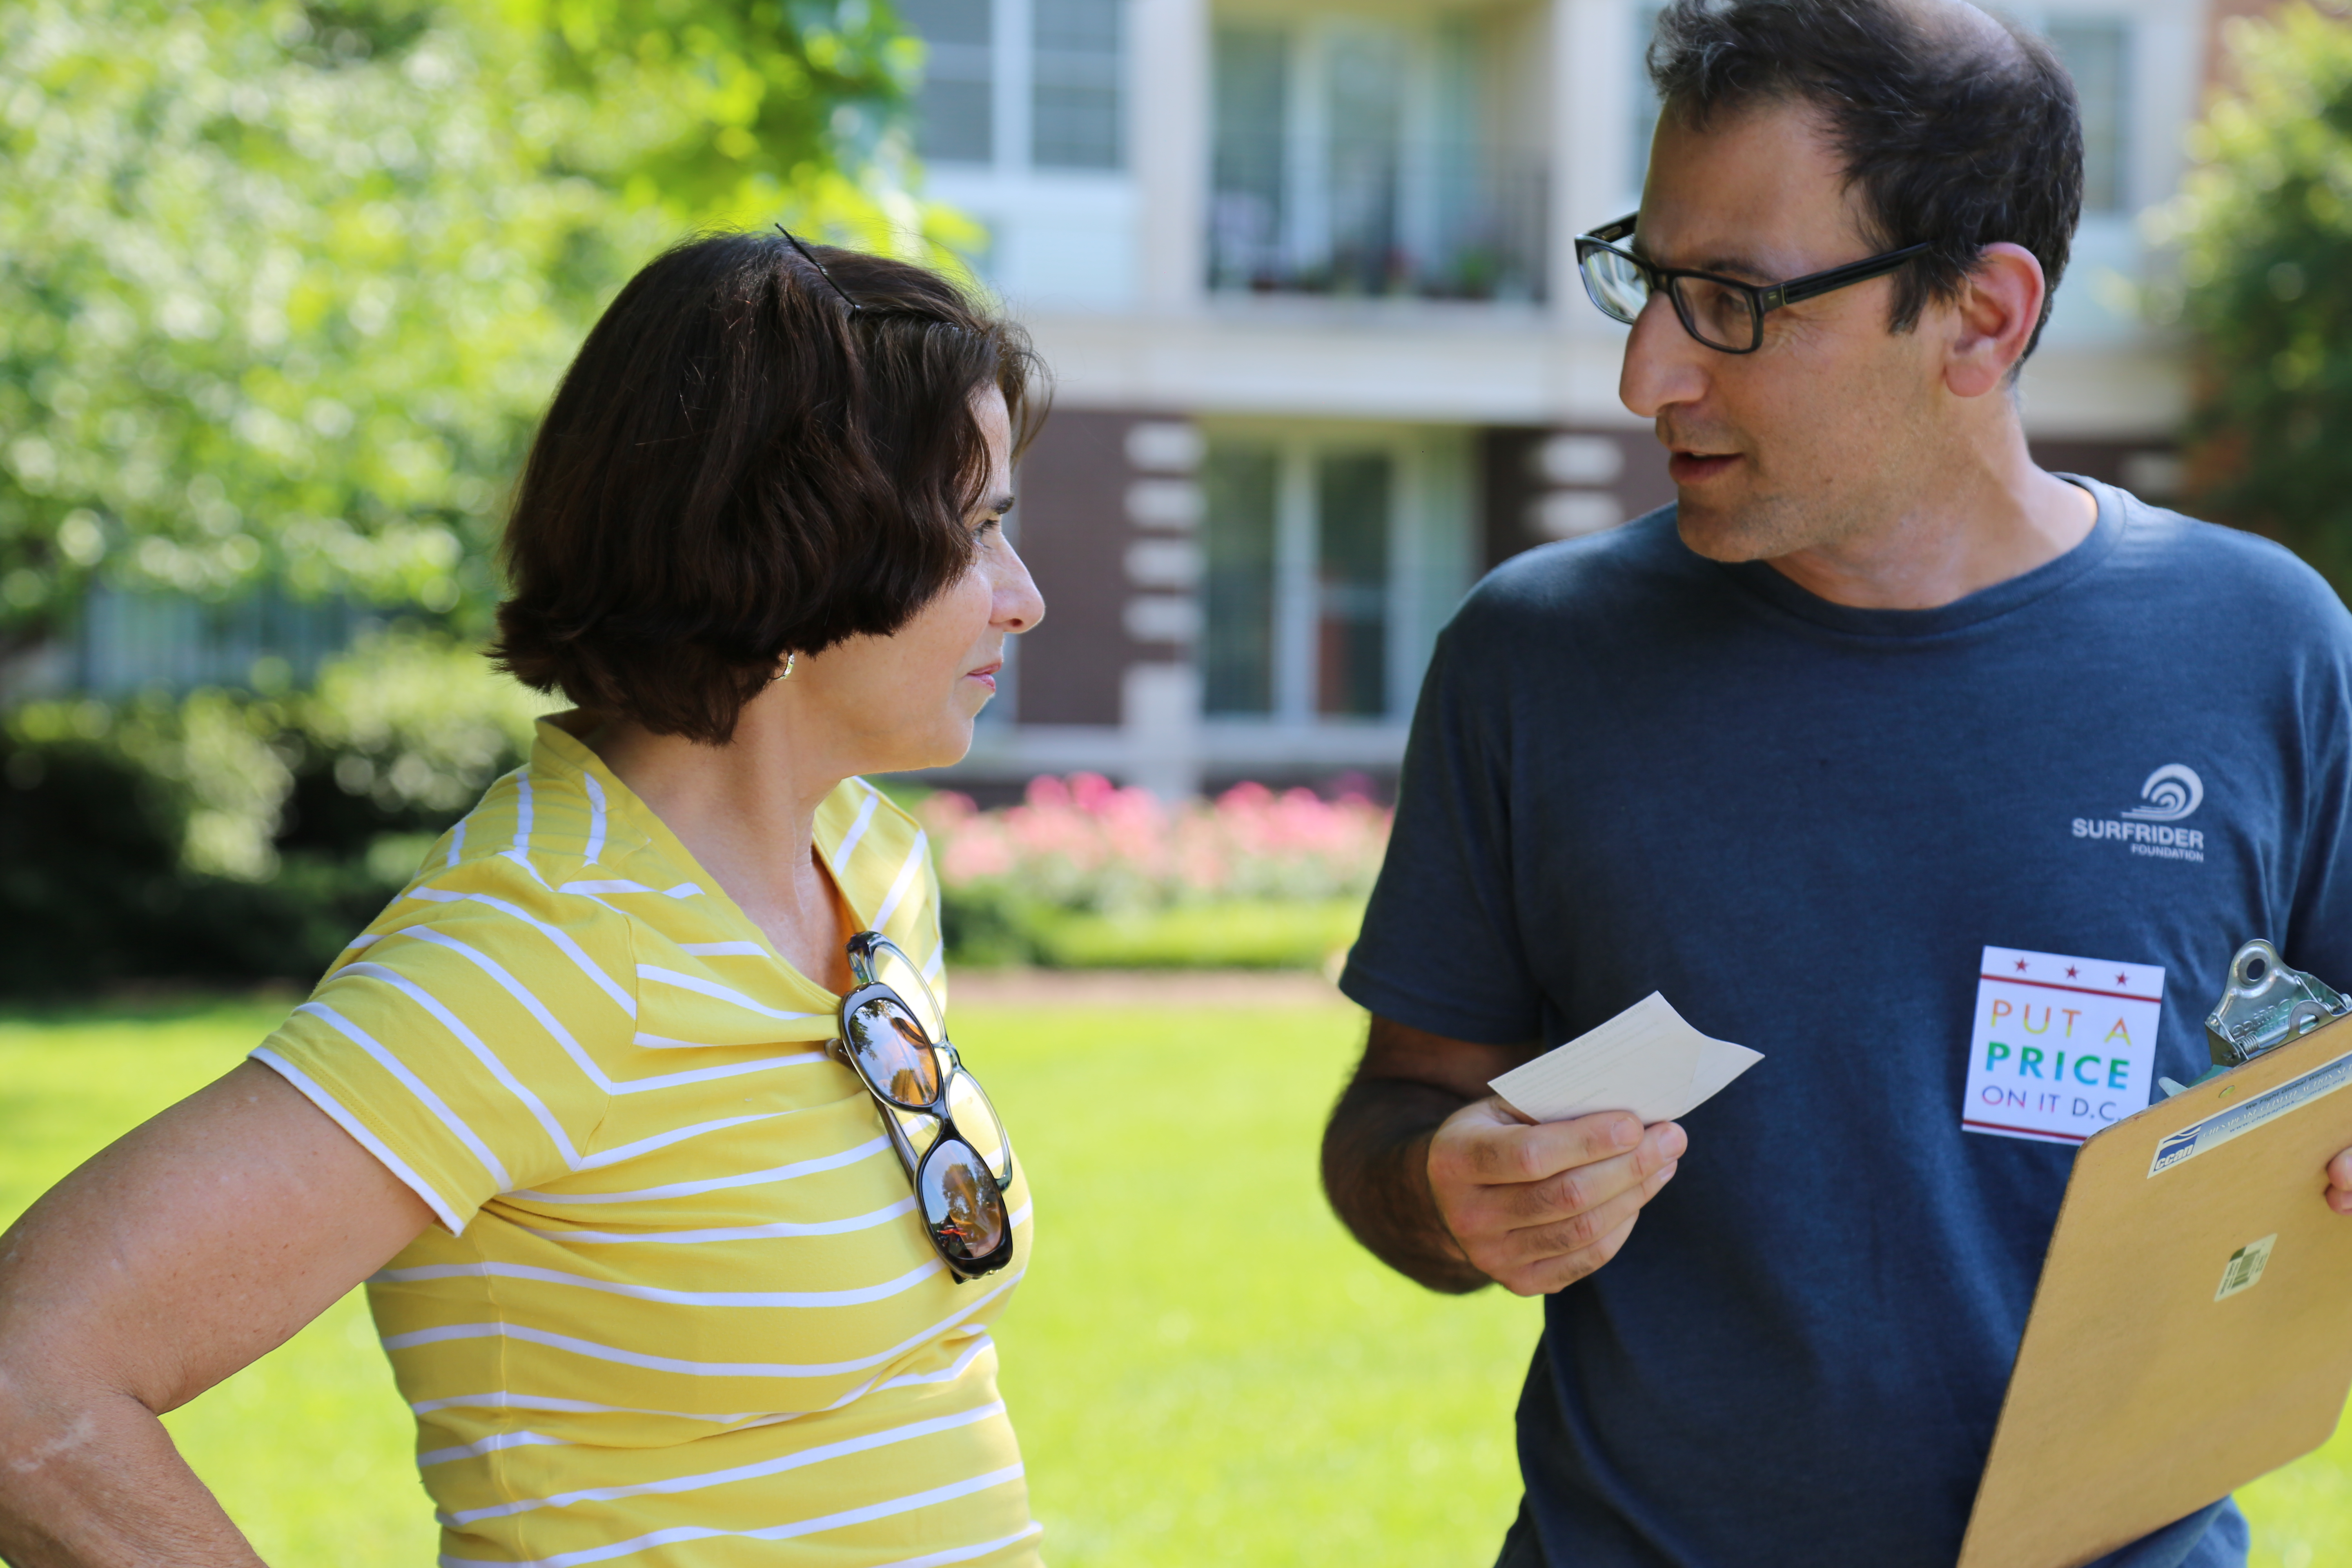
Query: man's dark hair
point(747, 461)
point(1958, 136)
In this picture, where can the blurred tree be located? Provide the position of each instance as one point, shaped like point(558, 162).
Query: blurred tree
point(283, 286)
point(2264, 222)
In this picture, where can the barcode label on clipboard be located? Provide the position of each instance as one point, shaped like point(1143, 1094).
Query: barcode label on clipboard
point(2245, 1266)
point(2239, 1121)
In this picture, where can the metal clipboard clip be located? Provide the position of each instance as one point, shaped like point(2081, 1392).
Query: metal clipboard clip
point(2264, 1006)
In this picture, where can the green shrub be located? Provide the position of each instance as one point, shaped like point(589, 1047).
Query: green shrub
point(2264, 225)
point(1260, 934)
point(229, 836)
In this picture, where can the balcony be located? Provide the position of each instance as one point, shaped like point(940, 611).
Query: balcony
point(1354, 155)
point(1377, 217)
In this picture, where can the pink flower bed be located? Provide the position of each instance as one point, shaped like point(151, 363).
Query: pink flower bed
point(1085, 843)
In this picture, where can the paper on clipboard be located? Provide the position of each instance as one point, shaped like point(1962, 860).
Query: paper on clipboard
point(1647, 1060)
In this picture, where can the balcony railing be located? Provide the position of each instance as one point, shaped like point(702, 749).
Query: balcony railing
point(1370, 218)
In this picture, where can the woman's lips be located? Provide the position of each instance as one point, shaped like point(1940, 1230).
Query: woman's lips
point(1693, 468)
point(985, 674)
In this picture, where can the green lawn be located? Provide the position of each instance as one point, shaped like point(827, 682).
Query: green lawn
point(1200, 1354)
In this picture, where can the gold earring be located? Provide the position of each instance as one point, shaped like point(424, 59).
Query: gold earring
point(787, 673)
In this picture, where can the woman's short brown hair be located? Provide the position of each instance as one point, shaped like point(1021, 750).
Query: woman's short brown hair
point(749, 458)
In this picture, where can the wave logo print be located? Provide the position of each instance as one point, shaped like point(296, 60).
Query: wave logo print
point(2172, 791)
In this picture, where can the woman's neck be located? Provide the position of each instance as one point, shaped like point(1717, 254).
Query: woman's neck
point(746, 811)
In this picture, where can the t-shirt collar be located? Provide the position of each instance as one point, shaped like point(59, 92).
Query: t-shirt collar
point(1764, 581)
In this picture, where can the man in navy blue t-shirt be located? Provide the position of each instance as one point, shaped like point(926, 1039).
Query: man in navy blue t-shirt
point(1878, 696)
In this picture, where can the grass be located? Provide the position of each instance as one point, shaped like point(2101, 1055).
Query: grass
point(1259, 934)
point(1200, 1355)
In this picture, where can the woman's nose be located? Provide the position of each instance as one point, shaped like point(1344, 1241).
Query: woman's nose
point(1019, 605)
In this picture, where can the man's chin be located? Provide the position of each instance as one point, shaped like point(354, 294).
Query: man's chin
point(1719, 532)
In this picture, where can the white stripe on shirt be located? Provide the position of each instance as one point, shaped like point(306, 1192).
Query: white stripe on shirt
point(614, 1353)
point(773, 1533)
point(485, 1269)
point(864, 1442)
point(414, 1085)
point(595, 818)
point(809, 1167)
point(367, 1141)
point(774, 1230)
point(905, 882)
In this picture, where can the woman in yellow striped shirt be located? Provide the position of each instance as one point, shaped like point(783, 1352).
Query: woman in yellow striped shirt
point(667, 1274)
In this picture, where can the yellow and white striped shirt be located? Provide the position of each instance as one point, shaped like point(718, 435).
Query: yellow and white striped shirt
point(680, 1305)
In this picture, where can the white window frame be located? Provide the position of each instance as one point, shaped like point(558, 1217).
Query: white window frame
point(1430, 556)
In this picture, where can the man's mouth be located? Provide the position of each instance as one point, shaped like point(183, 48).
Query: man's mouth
point(1697, 467)
point(985, 674)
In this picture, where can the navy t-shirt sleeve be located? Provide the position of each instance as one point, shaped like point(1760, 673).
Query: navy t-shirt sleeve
point(2318, 936)
point(1440, 949)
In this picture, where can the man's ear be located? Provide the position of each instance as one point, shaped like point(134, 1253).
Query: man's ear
point(1993, 320)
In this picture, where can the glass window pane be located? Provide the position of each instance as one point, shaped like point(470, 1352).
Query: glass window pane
point(1365, 82)
point(1352, 633)
point(953, 108)
point(1074, 105)
point(1645, 95)
point(2095, 54)
point(1246, 216)
point(1238, 486)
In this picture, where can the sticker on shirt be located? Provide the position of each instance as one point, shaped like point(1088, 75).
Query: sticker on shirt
point(2061, 1046)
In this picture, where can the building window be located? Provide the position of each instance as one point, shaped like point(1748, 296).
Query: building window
point(2097, 54)
point(1644, 96)
point(955, 108)
point(1353, 155)
point(1329, 562)
point(1354, 513)
point(132, 642)
point(1240, 497)
point(1252, 74)
point(1014, 79)
point(1075, 99)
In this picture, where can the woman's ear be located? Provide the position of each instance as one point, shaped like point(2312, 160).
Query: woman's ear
point(1998, 307)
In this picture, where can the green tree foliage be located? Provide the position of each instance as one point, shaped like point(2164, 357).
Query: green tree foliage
point(283, 286)
point(2264, 222)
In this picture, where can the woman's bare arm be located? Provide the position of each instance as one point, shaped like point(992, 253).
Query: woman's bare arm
point(181, 1253)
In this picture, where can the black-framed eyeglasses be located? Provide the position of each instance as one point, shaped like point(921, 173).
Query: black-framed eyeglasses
point(1721, 313)
point(939, 1121)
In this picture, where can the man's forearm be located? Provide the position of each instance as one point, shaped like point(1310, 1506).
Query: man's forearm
point(1376, 1172)
point(98, 1485)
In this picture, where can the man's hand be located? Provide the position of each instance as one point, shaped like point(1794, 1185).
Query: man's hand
point(1538, 1207)
point(1451, 1187)
point(2339, 1182)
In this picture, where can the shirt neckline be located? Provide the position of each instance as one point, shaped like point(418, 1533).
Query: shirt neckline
point(1762, 581)
point(556, 739)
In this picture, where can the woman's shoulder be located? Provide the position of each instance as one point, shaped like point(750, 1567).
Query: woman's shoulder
point(523, 871)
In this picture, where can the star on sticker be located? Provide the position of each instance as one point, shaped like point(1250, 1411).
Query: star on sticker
point(2021, 966)
point(2070, 971)
point(2123, 979)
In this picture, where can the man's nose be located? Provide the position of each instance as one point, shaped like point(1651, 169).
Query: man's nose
point(1663, 368)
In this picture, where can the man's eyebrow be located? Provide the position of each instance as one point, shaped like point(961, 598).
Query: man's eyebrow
point(1731, 266)
point(1736, 266)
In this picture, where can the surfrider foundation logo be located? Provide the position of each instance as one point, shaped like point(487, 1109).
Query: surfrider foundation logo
point(2171, 793)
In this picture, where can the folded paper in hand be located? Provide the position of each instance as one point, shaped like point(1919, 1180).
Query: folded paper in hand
point(1645, 1060)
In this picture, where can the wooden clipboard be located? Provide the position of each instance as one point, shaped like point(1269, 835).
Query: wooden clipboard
point(2137, 1398)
